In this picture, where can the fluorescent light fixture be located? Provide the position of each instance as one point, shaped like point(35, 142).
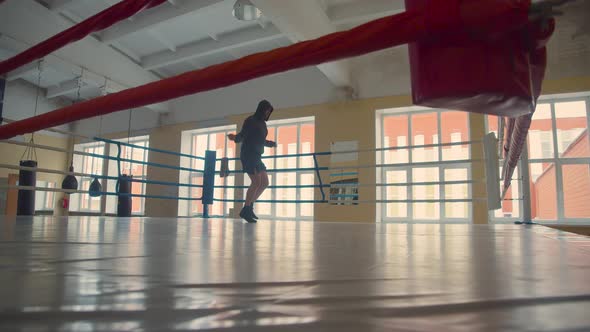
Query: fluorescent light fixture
point(244, 10)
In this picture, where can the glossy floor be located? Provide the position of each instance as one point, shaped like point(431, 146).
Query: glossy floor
point(109, 274)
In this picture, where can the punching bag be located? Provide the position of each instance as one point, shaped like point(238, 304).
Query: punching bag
point(70, 182)
point(26, 198)
point(224, 170)
point(124, 200)
point(484, 65)
point(95, 189)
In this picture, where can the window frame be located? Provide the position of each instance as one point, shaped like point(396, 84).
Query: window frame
point(274, 126)
point(556, 160)
point(442, 165)
point(89, 148)
point(135, 140)
point(226, 206)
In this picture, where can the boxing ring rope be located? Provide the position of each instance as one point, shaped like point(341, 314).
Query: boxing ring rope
point(135, 146)
point(145, 163)
point(103, 193)
point(210, 172)
point(80, 174)
point(55, 149)
point(106, 18)
point(321, 186)
point(403, 28)
point(118, 178)
point(419, 25)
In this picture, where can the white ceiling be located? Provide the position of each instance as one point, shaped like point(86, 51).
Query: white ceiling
point(173, 38)
point(184, 35)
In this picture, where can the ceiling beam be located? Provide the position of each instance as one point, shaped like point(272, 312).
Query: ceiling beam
point(343, 14)
point(363, 11)
point(62, 66)
point(149, 19)
point(23, 71)
point(162, 39)
point(225, 42)
point(88, 52)
point(65, 87)
point(305, 20)
point(59, 5)
point(116, 45)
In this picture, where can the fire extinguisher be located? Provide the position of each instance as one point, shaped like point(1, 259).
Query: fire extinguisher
point(65, 202)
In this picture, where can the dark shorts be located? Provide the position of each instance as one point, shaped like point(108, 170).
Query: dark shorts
point(252, 163)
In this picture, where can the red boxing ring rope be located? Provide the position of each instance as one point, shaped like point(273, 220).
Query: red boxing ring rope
point(98, 22)
point(380, 34)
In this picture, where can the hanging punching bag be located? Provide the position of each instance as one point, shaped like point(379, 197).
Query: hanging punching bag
point(124, 200)
point(95, 189)
point(70, 182)
point(26, 198)
point(224, 170)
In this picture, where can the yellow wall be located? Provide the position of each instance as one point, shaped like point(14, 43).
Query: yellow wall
point(566, 85)
point(164, 138)
point(343, 121)
point(477, 131)
point(346, 121)
point(169, 139)
point(11, 154)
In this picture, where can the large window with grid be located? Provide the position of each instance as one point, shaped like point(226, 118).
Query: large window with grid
point(133, 155)
point(420, 159)
point(196, 143)
point(293, 136)
point(558, 163)
point(44, 200)
point(92, 165)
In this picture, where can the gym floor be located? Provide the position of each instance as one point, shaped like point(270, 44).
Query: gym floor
point(147, 274)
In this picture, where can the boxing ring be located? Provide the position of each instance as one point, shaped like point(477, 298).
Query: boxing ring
point(125, 273)
point(214, 168)
point(219, 274)
point(483, 56)
point(157, 274)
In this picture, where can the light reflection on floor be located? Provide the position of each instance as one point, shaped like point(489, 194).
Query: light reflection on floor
point(109, 274)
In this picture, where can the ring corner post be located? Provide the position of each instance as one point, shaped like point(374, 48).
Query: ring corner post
point(208, 181)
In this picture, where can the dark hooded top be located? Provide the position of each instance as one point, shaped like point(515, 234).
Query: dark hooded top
point(254, 131)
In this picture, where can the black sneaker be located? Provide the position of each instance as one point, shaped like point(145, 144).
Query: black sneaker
point(252, 211)
point(246, 214)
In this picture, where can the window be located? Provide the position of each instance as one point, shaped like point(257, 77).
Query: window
point(559, 164)
point(196, 143)
point(94, 163)
point(137, 170)
point(546, 143)
point(559, 159)
point(424, 165)
point(87, 164)
point(294, 136)
point(44, 200)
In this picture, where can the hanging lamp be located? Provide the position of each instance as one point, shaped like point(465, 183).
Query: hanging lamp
point(244, 10)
